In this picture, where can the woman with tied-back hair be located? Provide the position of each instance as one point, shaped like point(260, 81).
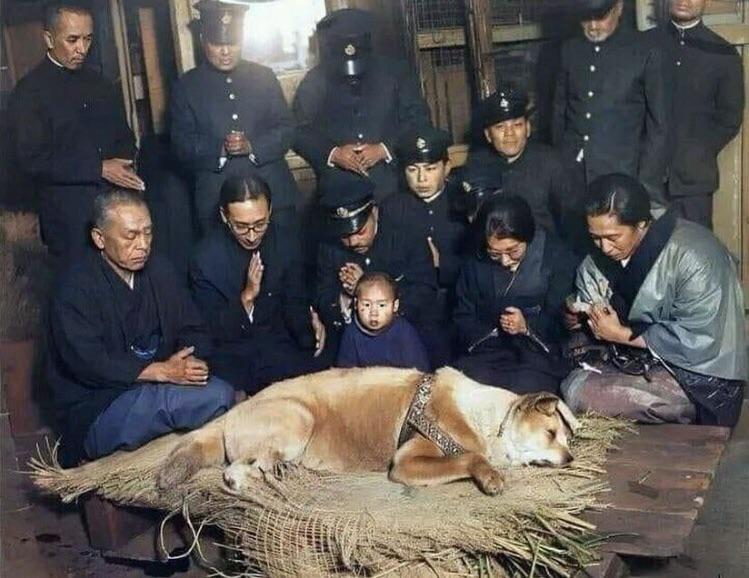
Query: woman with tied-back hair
point(510, 297)
point(664, 296)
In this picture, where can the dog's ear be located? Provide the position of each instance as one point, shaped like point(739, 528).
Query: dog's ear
point(569, 418)
point(545, 403)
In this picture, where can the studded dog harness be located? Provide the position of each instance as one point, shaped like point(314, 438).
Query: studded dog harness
point(417, 421)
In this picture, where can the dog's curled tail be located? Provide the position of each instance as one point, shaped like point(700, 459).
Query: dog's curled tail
point(197, 450)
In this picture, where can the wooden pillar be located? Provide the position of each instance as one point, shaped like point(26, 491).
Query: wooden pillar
point(157, 96)
point(479, 42)
point(180, 12)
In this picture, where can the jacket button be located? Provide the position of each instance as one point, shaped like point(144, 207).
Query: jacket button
point(597, 48)
point(678, 63)
point(586, 138)
point(235, 116)
point(228, 80)
point(587, 115)
point(590, 94)
point(231, 96)
point(592, 68)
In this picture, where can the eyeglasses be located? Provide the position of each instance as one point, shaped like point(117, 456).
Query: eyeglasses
point(244, 228)
point(516, 253)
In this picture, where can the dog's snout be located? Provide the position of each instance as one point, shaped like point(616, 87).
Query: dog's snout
point(568, 459)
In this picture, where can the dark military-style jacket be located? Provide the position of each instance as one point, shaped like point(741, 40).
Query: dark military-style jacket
point(707, 106)
point(64, 124)
point(537, 176)
point(207, 104)
point(332, 112)
point(395, 251)
point(612, 103)
point(437, 219)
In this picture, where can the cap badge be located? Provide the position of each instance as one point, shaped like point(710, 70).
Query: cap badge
point(504, 103)
point(350, 50)
point(466, 186)
point(421, 144)
point(342, 212)
point(226, 19)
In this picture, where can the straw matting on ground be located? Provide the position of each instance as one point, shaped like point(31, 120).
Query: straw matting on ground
point(304, 523)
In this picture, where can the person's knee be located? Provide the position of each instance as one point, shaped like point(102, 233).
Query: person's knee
point(221, 392)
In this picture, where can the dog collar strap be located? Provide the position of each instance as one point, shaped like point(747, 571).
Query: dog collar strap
point(417, 421)
point(508, 416)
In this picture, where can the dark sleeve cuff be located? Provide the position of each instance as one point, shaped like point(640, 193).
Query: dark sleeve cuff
point(638, 328)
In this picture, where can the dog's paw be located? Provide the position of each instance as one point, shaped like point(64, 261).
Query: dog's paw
point(238, 476)
point(489, 480)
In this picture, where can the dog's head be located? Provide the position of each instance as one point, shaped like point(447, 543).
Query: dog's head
point(539, 429)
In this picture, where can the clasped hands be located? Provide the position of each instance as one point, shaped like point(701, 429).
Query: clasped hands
point(236, 144)
point(359, 157)
point(182, 368)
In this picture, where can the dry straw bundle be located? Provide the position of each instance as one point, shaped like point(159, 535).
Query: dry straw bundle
point(23, 276)
point(303, 523)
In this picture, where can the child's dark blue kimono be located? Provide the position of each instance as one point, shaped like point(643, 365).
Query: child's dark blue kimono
point(396, 346)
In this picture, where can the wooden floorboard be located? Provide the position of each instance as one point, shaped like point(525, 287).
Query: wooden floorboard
point(659, 479)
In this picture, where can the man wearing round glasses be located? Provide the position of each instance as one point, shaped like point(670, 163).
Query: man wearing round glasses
point(247, 280)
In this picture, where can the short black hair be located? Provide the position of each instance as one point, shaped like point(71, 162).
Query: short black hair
point(105, 202)
point(377, 278)
point(506, 216)
point(53, 11)
point(240, 188)
point(619, 195)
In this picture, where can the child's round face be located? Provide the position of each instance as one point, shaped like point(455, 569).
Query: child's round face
point(375, 307)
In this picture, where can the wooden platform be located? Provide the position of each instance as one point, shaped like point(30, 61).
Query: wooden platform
point(659, 478)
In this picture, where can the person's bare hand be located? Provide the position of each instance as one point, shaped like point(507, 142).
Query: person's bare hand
point(349, 276)
point(252, 281)
point(319, 328)
point(370, 154)
point(236, 144)
point(347, 158)
point(571, 317)
point(184, 368)
point(605, 324)
point(512, 321)
point(120, 172)
point(435, 252)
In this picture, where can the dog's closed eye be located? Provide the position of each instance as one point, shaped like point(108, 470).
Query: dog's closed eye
point(551, 433)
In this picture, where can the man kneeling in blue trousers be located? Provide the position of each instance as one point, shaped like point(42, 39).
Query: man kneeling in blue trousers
point(126, 343)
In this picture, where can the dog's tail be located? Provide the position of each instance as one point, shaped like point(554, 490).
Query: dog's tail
point(197, 450)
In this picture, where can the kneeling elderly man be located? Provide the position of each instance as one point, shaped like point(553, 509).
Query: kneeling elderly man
point(126, 343)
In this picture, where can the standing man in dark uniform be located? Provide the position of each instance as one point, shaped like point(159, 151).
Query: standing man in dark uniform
point(611, 102)
point(247, 279)
point(229, 117)
point(707, 106)
point(70, 133)
point(516, 165)
point(352, 106)
point(361, 240)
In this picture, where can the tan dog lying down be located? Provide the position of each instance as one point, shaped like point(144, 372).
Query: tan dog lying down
point(349, 420)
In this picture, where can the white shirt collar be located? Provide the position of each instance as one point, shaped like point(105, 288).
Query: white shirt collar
point(54, 61)
point(686, 26)
point(434, 196)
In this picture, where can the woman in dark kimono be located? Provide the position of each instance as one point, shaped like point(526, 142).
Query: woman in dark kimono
point(510, 296)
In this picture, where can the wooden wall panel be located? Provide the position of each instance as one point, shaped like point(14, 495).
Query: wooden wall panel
point(157, 91)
